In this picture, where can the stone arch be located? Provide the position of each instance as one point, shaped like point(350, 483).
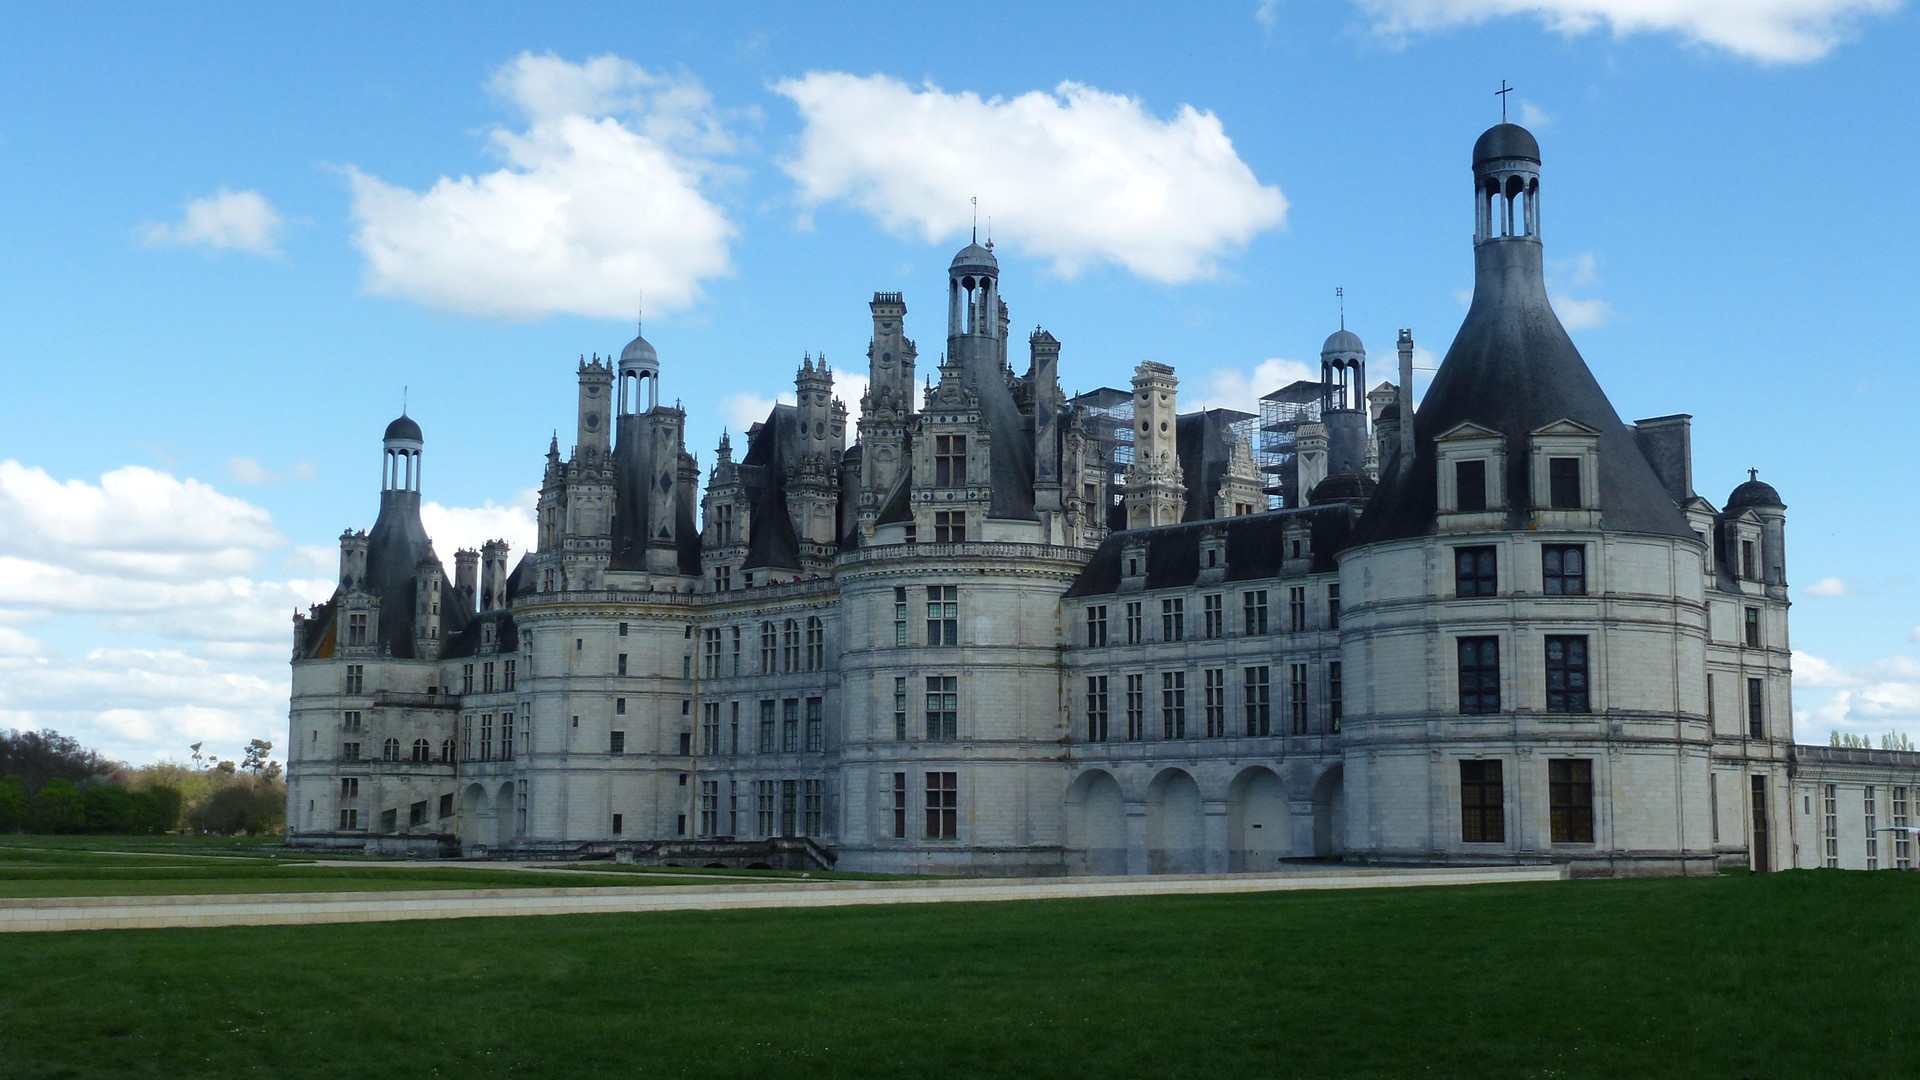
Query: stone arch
point(1330, 813)
point(475, 822)
point(1259, 825)
point(1176, 832)
point(503, 813)
point(1096, 824)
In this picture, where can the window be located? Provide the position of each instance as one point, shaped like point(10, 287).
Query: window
point(1830, 807)
point(1297, 608)
point(1297, 694)
point(709, 727)
point(1136, 707)
point(350, 751)
point(422, 751)
point(816, 644)
point(1096, 708)
point(1570, 800)
point(349, 818)
point(1215, 703)
point(766, 727)
point(1254, 611)
point(506, 736)
point(350, 720)
point(943, 615)
point(1470, 486)
point(735, 635)
point(1563, 569)
point(623, 633)
point(1566, 674)
point(943, 806)
point(950, 460)
point(789, 808)
point(486, 736)
point(1259, 700)
point(466, 678)
point(1753, 628)
point(1902, 840)
point(357, 629)
point(506, 674)
point(790, 646)
point(790, 726)
point(446, 750)
point(1873, 838)
point(466, 737)
point(389, 820)
point(1746, 561)
point(1173, 620)
point(1173, 704)
point(1133, 622)
point(1483, 818)
point(356, 678)
point(709, 807)
point(620, 706)
point(723, 579)
point(816, 725)
point(723, 523)
point(349, 787)
point(710, 654)
point(1479, 675)
point(486, 676)
point(899, 616)
point(1756, 710)
point(764, 794)
point(943, 707)
point(1713, 803)
point(949, 526)
point(1563, 483)
point(617, 742)
point(900, 709)
point(769, 648)
point(1097, 625)
point(417, 814)
point(1213, 620)
point(1336, 696)
point(810, 804)
point(1474, 572)
point(1333, 606)
point(899, 806)
point(618, 821)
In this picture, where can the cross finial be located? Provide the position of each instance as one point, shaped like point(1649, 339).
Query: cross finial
point(1753, 474)
point(1340, 294)
point(1502, 95)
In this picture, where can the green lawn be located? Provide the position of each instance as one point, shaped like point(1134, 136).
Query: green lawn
point(1805, 974)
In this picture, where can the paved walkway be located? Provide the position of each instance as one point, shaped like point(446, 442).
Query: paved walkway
point(260, 909)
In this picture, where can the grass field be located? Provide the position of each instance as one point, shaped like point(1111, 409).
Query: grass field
point(1802, 974)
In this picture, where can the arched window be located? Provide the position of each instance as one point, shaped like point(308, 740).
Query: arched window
point(816, 644)
point(790, 646)
point(422, 750)
point(390, 750)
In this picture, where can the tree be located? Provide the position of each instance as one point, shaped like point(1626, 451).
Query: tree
point(39, 756)
point(1895, 740)
point(13, 804)
point(57, 808)
point(108, 809)
point(256, 757)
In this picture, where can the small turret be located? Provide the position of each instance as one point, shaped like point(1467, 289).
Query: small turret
point(466, 576)
point(493, 575)
point(1156, 490)
point(353, 560)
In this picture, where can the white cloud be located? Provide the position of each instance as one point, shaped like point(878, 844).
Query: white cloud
point(1239, 388)
point(744, 410)
point(1267, 14)
point(1533, 116)
point(1828, 586)
point(456, 527)
point(1876, 697)
point(1771, 31)
point(14, 643)
point(1078, 176)
point(248, 470)
point(850, 387)
point(225, 220)
point(134, 520)
point(1580, 272)
point(602, 198)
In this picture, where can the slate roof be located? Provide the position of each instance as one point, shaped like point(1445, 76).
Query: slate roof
point(1203, 442)
point(771, 541)
point(1255, 546)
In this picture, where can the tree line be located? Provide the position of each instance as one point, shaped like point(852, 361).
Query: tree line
point(50, 783)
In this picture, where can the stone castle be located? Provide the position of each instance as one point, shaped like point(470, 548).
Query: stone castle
point(1008, 631)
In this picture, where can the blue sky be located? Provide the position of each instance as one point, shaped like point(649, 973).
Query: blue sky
point(229, 238)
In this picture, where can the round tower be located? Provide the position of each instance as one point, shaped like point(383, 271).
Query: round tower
point(1343, 388)
point(401, 466)
point(639, 376)
point(973, 292)
point(1506, 178)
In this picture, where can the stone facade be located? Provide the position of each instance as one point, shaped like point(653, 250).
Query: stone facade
point(1008, 632)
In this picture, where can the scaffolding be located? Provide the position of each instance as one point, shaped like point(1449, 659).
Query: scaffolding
point(1109, 422)
point(1281, 414)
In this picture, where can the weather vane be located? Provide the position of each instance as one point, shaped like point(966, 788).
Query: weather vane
point(976, 218)
point(1502, 95)
point(1340, 294)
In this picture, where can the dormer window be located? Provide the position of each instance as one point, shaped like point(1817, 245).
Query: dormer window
point(950, 460)
point(1564, 471)
point(1470, 485)
point(1563, 483)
